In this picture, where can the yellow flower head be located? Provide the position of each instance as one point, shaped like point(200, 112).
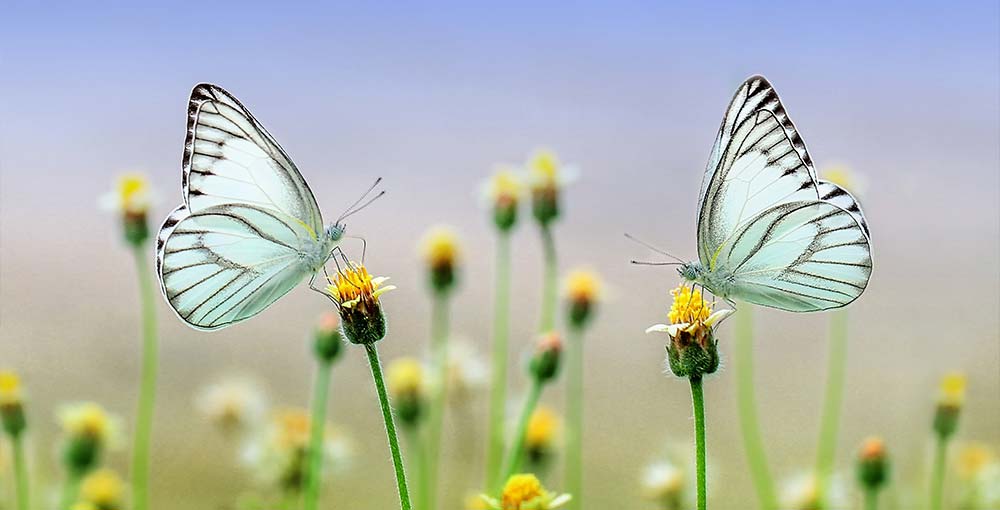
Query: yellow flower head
point(521, 489)
point(872, 449)
point(545, 171)
point(89, 420)
point(542, 429)
point(440, 247)
point(525, 492)
point(10, 389)
point(405, 377)
point(103, 488)
point(952, 390)
point(132, 195)
point(292, 428)
point(353, 287)
point(973, 458)
point(844, 177)
point(505, 187)
point(583, 286)
point(689, 306)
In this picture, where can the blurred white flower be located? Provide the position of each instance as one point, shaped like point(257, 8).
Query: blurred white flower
point(468, 373)
point(132, 194)
point(233, 403)
point(278, 454)
point(801, 492)
point(666, 484)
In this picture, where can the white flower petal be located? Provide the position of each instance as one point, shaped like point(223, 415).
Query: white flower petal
point(658, 328)
point(717, 316)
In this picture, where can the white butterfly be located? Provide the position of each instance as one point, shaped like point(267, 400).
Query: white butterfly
point(769, 231)
point(249, 230)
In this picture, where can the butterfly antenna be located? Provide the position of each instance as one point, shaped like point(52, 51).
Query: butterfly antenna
point(648, 263)
point(632, 238)
point(351, 209)
point(362, 206)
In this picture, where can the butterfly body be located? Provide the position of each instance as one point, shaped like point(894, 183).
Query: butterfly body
point(770, 232)
point(249, 230)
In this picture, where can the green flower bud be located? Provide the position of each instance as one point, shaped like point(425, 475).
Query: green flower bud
point(873, 464)
point(328, 340)
point(545, 363)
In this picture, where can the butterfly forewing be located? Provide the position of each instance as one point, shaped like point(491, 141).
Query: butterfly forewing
point(227, 263)
point(766, 224)
point(230, 158)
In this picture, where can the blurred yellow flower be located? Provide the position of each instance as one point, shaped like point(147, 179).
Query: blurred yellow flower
point(132, 195)
point(546, 172)
point(973, 458)
point(952, 390)
point(542, 429)
point(355, 287)
point(439, 247)
point(504, 188)
point(405, 376)
point(233, 403)
point(843, 176)
point(525, 492)
point(583, 285)
point(90, 420)
point(104, 489)
point(10, 389)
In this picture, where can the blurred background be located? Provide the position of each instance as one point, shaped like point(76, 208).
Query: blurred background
point(430, 97)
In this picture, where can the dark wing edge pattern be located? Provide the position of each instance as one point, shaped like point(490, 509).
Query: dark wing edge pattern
point(203, 93)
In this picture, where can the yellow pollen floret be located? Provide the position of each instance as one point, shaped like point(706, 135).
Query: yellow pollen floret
point(405, 377)
point(133, 192)
point(103, 488)
point(440, 246)
point(521, 489)
point(292, 428)
point(87, 419)
point(544, 168)
point(688, 306)
point(505, 185)
point(583, 285)
point(354, 285)
point(953, 389)
point(10, 388)
point(542, 428)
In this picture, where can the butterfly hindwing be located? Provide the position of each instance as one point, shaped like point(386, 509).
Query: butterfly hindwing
point(800, 256)
point(226, 263)
point(230, 158)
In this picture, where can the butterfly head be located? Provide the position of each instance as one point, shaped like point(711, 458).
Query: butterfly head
point(691, 271)
point(335, 231)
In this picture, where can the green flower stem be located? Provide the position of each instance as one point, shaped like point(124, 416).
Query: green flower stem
point(390, 427)
point(147, 388)
point(574, 417)
point(435, 421)
point(516, 451)
point(698, 402)
point(321, 394)
point(20, 472)
point(548, 319)
point(871, 499)
point(417, 447)
point(763, 483)
point(70, 491)
point(832, 403)
point(501, 335)
point(937, 479)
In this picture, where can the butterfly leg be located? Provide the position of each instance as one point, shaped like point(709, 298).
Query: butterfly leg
point(312, 281)
point(364, 246)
